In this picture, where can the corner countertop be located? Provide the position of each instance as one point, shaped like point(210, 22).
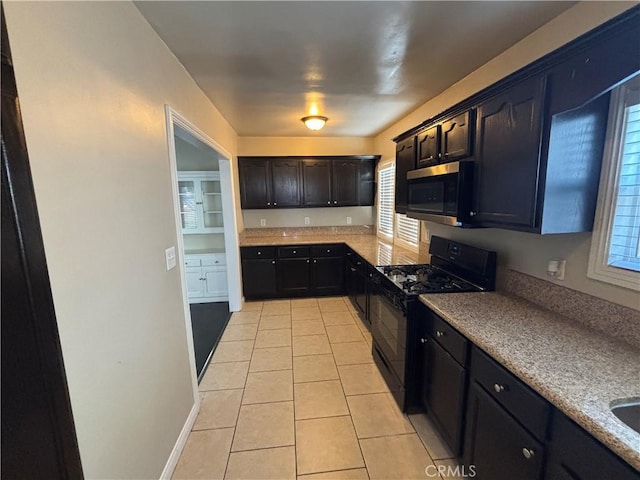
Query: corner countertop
point(578, 370)
point(370, 247)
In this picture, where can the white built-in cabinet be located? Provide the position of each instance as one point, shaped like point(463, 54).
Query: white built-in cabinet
point(200, 202)
point(206, 278)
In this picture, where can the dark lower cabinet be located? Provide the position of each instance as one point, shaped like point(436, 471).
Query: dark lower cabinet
point(496, 445)
point(326, 276)
point(259, 278)
point(294, 275)
point(356, 279)
point(576, 455)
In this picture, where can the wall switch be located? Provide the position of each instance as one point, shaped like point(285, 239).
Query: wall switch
point(170, 257)
point(307, 220)
point(263, 222)
point(348, 220)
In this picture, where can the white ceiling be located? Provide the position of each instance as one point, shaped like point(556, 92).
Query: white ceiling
point(363, 64)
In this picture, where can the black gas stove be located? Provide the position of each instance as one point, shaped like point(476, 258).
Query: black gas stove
point(419, 279)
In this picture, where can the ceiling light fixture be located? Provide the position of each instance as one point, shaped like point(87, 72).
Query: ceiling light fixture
point(314, 122)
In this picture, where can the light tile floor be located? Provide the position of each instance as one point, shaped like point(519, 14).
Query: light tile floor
point(292, 393)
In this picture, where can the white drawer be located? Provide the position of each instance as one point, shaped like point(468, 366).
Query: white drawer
point(190, 261)
point(215, 259)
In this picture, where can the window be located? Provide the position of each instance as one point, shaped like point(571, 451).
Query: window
point(386, 205)
point(404, 231)
point(615, 248)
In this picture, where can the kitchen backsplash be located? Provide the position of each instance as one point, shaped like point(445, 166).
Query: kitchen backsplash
point(612, 319)
point(306, 231)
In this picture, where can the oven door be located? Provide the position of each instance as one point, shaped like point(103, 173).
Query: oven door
point(389, 331)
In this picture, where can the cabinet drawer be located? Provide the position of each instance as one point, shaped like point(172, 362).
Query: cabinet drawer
point(214, 260)
point(192, 261)
point(523, 403)
point(450, 339)
point(293, 252)
point(328, 251)
point(257, 252)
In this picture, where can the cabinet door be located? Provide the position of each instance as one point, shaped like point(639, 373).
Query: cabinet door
point(215, 283)
point(316, 175)
point(188, 198)
point(285, 183)
point(345, 182)
point(498, 447)
point(429, 147)
point(456, 137)
point(327, 278)
point(405, 161)
point(259, 278)
point(211, 198)
point(508, 156)
point(255, 188)
point(195, 284)
point(445, 394)
point(294, 276)
point(367, 187)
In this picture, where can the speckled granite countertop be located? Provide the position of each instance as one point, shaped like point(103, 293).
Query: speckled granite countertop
point(579, 370)
point(370, 247)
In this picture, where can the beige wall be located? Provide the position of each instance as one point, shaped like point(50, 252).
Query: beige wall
point(93, 79)
point(285, 146)
point(523, 252)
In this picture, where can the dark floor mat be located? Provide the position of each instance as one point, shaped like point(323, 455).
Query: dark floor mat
point(207, 321)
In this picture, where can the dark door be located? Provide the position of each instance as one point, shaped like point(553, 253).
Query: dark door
point(285, 183)
point(456, 137)
point(405, 161)
point(346, 180)
point(445, 394)
point(294, 275)
point(259, 277)
point(496, 444)
point(38, 432)
point(429, 147)
point(367, 187)
point(316, 179)
point(255, 188)
point(508, 155)
point(327, 278)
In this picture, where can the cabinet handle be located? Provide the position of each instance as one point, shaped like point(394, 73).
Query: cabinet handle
point(423, 340)
point(473, 214)
point(439, 334)
point(294, 251)
point(198, 203)
point(259, 253)
point(498, 388)
point(273, 261)
point(217, 261)
point(353, 269)
point(328, 251)
point(528, 453)
point(315, 261)
point(275, 203)
point(335, 201)
point(203, 279)
point(329, 202)
point(269, 203)
point(307, 260)
point(358, 263)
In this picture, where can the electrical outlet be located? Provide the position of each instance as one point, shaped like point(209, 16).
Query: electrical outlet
point(348, 220)
point(556, 268)
point(307, 220)
point(263, 222)
point(170, 257)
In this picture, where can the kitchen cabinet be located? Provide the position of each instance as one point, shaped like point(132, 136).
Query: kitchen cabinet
point(405, 162)
point(258, 272)
point(200, 202)
point(269, 183)
point(444, 381)
point(447, 141)
point(576, 455)
point(509, 130)
point(327, 268)
point(294, 271)
point(206, 277)
point(506, 424)
point(356, 281)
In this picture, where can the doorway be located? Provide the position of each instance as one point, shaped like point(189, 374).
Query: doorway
point(207, 239)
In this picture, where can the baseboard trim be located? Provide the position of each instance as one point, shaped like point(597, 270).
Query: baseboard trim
point(172, 462)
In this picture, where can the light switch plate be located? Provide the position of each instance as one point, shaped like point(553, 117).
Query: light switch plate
point(170, 257)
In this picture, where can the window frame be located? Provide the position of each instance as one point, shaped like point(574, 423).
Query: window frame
point(598, 268)
point(385, 235)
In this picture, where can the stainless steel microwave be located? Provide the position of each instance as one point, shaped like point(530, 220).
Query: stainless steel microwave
point(442, 193)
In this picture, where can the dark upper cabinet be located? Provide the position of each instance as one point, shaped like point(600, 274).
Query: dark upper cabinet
point(447, 141)
point(285, 183)
point(508, 137)
point(255, 184)
point(405, 161)
point(316, 175)
point(429, 147)
point(345, 182)
point(367, 187)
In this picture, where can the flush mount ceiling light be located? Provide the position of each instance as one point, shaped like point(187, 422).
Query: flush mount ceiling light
point(314, 122)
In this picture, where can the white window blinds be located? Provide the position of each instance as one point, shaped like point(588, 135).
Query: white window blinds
point(408, 229)
point(386, 177)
